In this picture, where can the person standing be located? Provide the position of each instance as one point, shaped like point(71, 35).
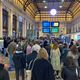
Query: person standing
point(4, 75)
point(29, 48)
point(46, 45)
point(10, 50)
point(74, 54)
point(69, 70)
point(55, 59)
point(64, 53)
point(42, 69)
point(36, 46)
point(19, 60)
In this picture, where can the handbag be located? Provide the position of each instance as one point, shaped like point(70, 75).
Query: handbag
point(78, 72)
point(29, 70)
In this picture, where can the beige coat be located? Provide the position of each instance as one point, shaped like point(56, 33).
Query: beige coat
point(55, 59)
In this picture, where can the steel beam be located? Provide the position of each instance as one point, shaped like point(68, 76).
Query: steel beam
point(20, 2)
point(41, 1)
point(68, 9)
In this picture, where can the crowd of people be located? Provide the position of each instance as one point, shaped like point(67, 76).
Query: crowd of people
point(47, 58)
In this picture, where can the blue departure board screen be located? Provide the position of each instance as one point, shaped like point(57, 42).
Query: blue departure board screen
point(45, 24)
point(55, 29)
point(46, 30)
point(54, 24)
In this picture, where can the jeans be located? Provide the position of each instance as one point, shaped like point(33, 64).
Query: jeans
point(4, 51)
point(19, 72)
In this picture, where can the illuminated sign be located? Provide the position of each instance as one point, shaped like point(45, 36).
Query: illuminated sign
point(54, 24)
point(45, 24)
point(46, 30)
point(55, 29)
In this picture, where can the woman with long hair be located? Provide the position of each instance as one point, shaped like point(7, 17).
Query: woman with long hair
point(55, 59)
point(42, 69)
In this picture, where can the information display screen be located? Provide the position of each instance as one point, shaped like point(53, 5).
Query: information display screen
point(45, 24)
point(78, 37)
point(46, 30)
point(55, 29)
point(54, 24)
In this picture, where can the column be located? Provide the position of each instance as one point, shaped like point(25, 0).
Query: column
point(10, 23)
point(17, 33)
point(1, 26)
point(1, 21)
point(24, 29)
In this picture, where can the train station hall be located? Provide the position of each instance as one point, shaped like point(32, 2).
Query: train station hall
point(39, 39)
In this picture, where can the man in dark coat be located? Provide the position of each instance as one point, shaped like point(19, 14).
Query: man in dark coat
point(31, 57)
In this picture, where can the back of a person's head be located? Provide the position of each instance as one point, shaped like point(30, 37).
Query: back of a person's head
point(72, 39)
point(65, 45)
point(55, 46)
point(74, 48)
point(45, 43)
point(43, 54)
point(36, 42)
point(36, 48)
point(69, 62)
point(18, 47)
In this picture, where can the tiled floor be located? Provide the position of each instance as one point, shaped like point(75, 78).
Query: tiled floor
point(12, 76)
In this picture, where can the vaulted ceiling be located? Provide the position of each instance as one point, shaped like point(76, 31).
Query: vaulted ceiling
point(40, 4)
point(36, 7)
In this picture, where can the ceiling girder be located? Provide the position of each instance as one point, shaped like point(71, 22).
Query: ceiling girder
point(20, 2)
point(27, 2)
point(68, 9)
point(41, 1)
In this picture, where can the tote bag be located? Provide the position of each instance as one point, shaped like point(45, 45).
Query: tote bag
point(29, 71)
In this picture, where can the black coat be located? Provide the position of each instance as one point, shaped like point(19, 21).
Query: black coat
point(42, 70)
point(31, 56)
point(69, 73)
point(3, 73)
point(19, 60)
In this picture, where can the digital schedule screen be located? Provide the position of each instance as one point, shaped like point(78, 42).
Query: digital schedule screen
point(55, 29)
point(46, 30)
point(45, 24)
point(54, 24)
point(78, 37)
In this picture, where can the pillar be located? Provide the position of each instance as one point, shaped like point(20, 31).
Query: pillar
point(1, 20)
point(17, 30)
point(1, 26)
point(10, 23)
point(24, 29)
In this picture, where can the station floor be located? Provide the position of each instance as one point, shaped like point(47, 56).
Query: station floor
point(12, 73)
point(12, 76)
